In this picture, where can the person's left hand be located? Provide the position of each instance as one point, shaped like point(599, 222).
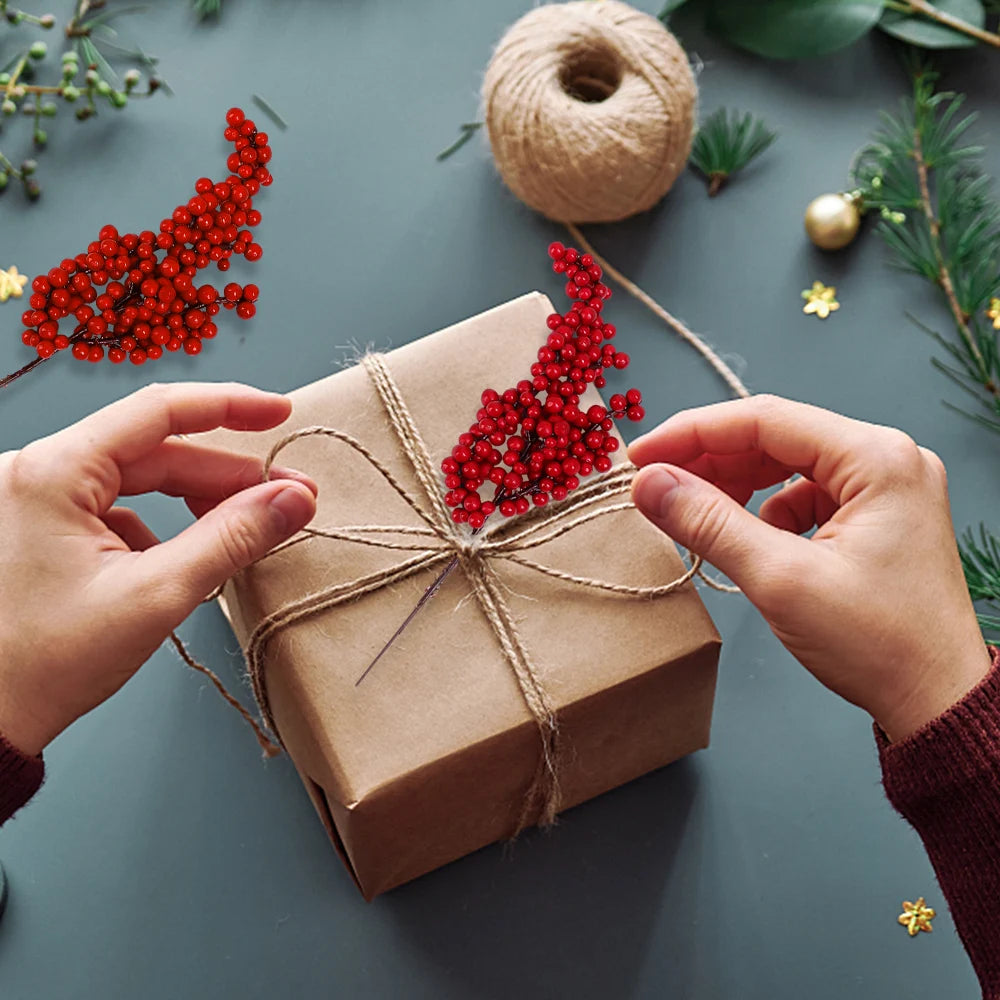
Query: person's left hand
point(87, 592)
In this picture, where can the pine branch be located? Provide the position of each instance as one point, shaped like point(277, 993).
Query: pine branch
point(981, 563)
point(941, 222)
point(725, 145)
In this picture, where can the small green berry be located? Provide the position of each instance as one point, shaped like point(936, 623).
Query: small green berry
point(69, 56)
point(38, 50)
point(4, 79)
point(118, 99)
point(28, 168)
point(4, 178)
point(70, 70)
point(82, 114)
point(49, 109)
point(8, 107)
point(91, 77)
point(32, 189)
point(132, 77)
point(47, 21)
point(41, 137)
point(70, 93)
point(103, 88)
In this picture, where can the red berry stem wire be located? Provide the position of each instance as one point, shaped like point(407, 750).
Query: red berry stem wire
point(532, 443)
point(134, 296)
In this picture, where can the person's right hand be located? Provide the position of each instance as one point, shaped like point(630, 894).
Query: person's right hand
point(874, 604)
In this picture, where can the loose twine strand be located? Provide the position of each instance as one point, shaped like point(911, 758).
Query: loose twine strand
point(689, 336)
point(441, 542)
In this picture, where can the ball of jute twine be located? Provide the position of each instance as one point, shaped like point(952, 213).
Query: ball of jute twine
point(590, 110)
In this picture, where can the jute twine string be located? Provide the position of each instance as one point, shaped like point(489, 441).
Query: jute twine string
point(441, 541)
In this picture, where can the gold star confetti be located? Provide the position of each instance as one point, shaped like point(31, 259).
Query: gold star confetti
point(820, 300)
point(917, 917)
point(993, 312)
point(11, 284)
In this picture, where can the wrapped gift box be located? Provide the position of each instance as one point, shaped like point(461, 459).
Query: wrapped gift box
point(430, 758)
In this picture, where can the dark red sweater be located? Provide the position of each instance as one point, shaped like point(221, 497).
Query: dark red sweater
point(945, 779)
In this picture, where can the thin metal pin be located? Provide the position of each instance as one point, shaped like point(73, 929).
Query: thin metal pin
point(427, 595)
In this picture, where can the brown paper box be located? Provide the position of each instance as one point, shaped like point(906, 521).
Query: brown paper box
point(430, 758)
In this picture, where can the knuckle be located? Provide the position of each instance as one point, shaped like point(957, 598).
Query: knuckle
point(28, 469)
point(238, 541)
point(936, 466)
point(900, 455)
point(707, 526)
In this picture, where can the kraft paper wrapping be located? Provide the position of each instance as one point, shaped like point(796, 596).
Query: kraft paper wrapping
point(429, 758)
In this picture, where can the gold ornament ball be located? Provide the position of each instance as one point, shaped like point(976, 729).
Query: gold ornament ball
point(832, 221)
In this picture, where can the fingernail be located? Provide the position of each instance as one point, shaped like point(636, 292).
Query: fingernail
point(651, 489)
point(292, 508)
point(280, 472)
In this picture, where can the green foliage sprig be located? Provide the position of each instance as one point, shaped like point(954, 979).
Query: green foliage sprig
point(725, 143)
point(981, 562)
point(85, 78)
point(798, 29)
point(941, 222)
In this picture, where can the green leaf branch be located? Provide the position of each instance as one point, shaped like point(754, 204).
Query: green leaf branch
point(798, 29)
point(85, 78)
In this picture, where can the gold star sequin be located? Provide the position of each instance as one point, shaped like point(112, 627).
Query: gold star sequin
point(917, 917)
point(820, 300)
point(993, 312)
point(11, 284)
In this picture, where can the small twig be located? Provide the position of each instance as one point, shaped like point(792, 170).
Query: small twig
point(944, 275)
point(928, 10)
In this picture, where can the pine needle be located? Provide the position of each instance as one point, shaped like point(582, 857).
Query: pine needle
point(981, 563)
point(725, 143)
point(466, 132)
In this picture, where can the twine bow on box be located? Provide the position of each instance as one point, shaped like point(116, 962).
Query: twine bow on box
point(440, 542)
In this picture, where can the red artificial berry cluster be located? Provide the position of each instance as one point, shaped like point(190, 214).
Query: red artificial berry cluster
point(533, 442)
point(135, 294)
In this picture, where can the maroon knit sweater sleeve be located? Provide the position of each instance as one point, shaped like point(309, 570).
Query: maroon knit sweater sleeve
point(945, 779)
point(20, 777)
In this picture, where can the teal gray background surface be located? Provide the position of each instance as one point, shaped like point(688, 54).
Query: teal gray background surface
point(163, 859)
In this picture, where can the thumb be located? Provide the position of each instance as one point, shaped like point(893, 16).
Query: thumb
point(237, 532)
point(710, 523)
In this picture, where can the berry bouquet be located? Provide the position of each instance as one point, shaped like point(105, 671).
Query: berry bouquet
point(134, 295)
point(533, 442)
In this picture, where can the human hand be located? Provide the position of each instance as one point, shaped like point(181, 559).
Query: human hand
point(875, 603)
point(87, 592)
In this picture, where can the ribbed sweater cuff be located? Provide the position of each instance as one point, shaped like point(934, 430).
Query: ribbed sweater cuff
point(945, 779)
point(20, 777)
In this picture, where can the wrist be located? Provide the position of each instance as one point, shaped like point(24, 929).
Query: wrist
point(20, 728)
point(940, 692)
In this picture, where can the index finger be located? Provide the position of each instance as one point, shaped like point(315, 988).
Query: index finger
point(824, 446)
point(132, 427)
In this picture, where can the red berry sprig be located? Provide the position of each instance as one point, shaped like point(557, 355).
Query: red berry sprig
point(532, 443)
point(134, 295)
